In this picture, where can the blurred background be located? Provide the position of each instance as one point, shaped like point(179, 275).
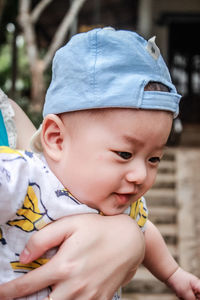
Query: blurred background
point(30, 33)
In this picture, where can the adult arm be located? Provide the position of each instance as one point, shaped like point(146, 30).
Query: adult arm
point(25, 128)
point(96, 256)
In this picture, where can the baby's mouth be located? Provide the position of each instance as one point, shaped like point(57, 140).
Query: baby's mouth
point(123, 199)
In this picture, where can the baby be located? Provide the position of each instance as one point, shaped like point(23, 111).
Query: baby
point(107, 117)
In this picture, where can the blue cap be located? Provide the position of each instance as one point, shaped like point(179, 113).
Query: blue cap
point(106, 68)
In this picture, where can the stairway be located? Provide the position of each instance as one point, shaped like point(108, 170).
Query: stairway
point(162, 205)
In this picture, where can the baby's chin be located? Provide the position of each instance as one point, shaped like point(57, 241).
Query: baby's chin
point(113, 211)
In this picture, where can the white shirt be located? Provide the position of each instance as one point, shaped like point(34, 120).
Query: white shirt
point(31, 197)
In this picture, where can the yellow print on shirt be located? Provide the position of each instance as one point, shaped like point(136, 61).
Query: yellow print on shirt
point(4, 149)
point(29, 217)
point(23, 268)
point(139, 212)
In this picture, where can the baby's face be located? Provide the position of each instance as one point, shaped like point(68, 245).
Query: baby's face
point(112, 159)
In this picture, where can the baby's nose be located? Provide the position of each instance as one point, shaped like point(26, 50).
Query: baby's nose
point(138, 173)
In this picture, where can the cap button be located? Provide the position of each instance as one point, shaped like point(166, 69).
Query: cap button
point(152, 48)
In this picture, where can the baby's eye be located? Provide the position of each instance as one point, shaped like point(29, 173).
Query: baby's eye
point(124, 155)
point(154, 160)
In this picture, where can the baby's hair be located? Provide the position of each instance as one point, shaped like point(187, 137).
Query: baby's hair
point(156, 86)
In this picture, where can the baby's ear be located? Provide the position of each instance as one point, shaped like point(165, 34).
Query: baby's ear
point(52, 136)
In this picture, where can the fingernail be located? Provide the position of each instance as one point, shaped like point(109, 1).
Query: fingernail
point(25, 256)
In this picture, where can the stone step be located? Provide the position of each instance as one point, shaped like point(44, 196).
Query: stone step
point(162, 214)
point(148, 296)
point(166, 166)
point(150, 285)
point(169, 155)
point(145, 282)
point(165, 196)
point(169, 233)
point(143, 274)
point(167, 229)
point(165, 180)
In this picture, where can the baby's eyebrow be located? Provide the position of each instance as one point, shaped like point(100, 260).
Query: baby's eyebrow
point(132, 140)
point(162, 148)
point(136, 141)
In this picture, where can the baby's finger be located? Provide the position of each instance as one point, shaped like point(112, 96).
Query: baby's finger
point(195, 284)
point(188, 295)
point(197, 296)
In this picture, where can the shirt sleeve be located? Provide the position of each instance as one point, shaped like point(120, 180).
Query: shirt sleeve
point(139, 212)
point(13, 182)
point(8, 120)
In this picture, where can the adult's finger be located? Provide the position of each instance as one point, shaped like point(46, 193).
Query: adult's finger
point(89, 264)
point(48, 274)
point(48, 237)
point(22, 286)
point(44, 276)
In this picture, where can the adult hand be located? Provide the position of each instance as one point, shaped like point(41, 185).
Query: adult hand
point(96, 255)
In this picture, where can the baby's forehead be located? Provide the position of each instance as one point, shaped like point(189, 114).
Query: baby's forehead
point(120, 126)
point(112, 114)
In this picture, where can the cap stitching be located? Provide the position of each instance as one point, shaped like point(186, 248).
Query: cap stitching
point(94, 48)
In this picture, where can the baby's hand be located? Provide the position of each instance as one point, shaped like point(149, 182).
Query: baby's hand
point(185, 285)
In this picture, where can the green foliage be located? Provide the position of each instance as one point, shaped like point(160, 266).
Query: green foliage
point(5, 64)
point(35, 117)
point(22, 87)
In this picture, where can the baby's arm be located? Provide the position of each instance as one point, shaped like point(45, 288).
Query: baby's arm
point(24, 126)
point(161, 264)
point(157, 256)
